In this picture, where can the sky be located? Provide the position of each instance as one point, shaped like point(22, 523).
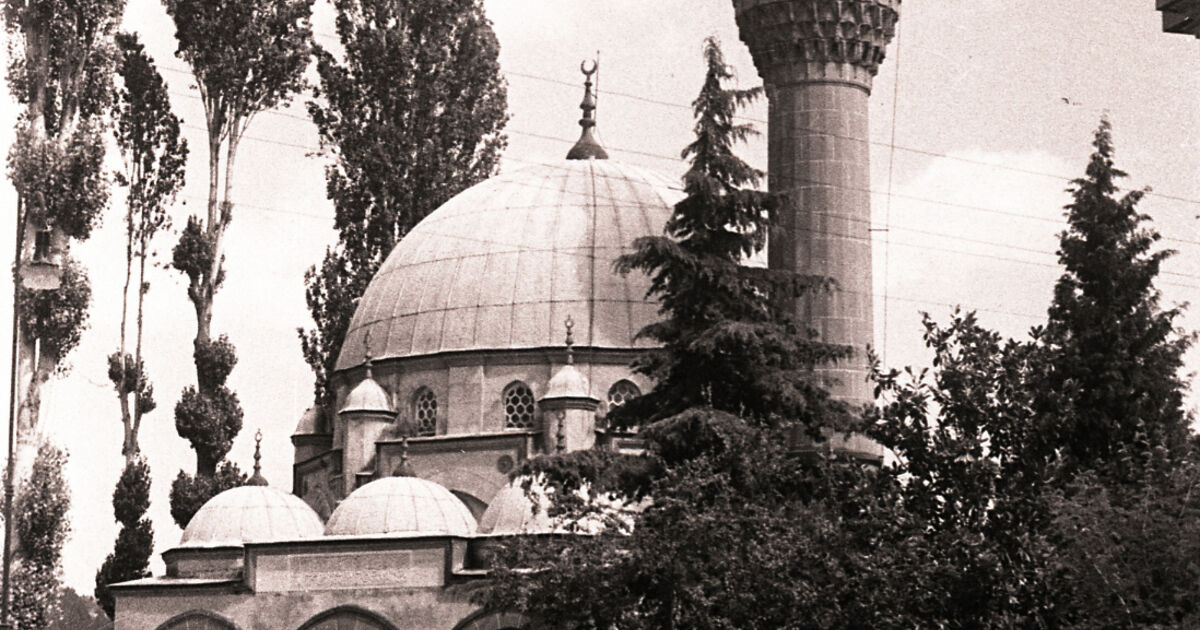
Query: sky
point(980, 116)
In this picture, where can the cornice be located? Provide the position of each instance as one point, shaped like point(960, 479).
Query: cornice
point(799, 41)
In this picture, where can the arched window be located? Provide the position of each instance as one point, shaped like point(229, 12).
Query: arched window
point(518, 406)
point(197, 620)
point(424, 411)
point(493, 620)
point(622, 392)
point(347, 618)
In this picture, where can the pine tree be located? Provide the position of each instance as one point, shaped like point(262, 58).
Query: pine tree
point(1116, 377)
point(412, 113)
point(247, 56)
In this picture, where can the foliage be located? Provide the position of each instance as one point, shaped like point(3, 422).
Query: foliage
point(130, 558)
point(725, 343)
point(740, 533)
point(147, 133)
point(128, 376)
point(58, 317)
point(1117, 354)
point(79, 612)
point(246, 56)
point(965, 438)
point(40, 528)
point(62, 66)
point(209, 420)
point(210, 416)
point(412, 113)
point(62, 180)
point(1054, 467)
point(1128, 555)
point(190, 492)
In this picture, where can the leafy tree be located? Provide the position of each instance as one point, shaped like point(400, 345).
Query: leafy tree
point(41, 527)
point(61, 72)
point(247, 56)
point(1117, 354)
point(154, 155)
point(1053, 468)
point(130, 558)
point(412, 112)
point(965, 436)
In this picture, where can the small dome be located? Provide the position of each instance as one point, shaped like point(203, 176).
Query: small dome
point(251, 514)
point(513, 512)
point(568, 382)
point(368, 397)
point(310, 423)
point(401, 506)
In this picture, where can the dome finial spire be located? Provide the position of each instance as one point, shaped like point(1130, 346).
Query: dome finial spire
point(257, 478)
point(367, 352)
point(570, 324)
point(404, 469)
point(588, 147)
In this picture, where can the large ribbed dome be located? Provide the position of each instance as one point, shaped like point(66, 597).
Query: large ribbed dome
point(251, 514)
point(503, 264)
point(401, 506)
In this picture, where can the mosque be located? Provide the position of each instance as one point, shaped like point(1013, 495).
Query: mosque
point(498, 330)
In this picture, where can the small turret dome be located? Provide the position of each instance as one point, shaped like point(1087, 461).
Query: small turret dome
point(367, 397)
point(310, 423)
point(567, 382)
point(401, 506)
point(513, 512)
point(251, 514)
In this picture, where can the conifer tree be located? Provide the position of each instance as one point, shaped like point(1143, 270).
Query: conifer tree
point(247, 56)
point(727, 348)
point(412, 112)
point(1116, 377)
point(739, 527)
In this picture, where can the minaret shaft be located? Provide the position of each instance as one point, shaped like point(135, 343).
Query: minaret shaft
point(817, 59)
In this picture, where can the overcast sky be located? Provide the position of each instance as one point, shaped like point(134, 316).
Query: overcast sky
point(991, 106)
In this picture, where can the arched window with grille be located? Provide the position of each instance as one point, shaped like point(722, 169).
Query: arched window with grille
point(622, 392)
point(424, 411)
point(519, 406)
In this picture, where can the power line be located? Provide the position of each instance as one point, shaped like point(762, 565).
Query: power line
point(889, 145)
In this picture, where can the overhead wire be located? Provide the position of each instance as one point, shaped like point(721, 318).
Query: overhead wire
point(888, 145)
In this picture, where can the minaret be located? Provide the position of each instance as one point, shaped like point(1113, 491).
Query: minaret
point(817, 59)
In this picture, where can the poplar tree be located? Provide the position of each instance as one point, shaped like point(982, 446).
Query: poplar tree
point(41, 528)
point(154, 156)
point(61, 72)
point(246, 56)
point(412, 111)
